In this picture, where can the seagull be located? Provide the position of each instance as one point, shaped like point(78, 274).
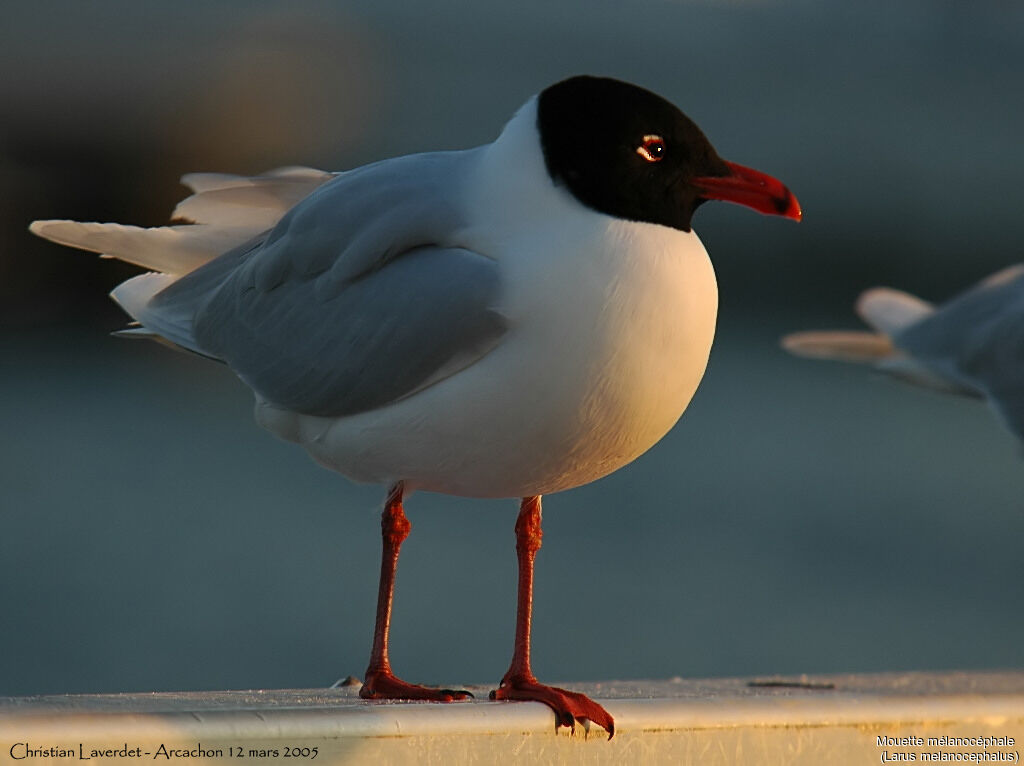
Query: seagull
point(507, 321)
point(971, 345)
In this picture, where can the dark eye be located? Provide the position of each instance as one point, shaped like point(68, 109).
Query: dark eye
point(652, 149)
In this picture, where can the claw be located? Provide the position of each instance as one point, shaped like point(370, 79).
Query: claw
point(458, 694)
point(568, 706)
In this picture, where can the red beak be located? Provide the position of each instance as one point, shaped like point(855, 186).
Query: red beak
point(746, 186)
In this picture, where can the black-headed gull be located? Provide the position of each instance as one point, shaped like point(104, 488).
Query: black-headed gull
point(507, 321)
point(971, 345)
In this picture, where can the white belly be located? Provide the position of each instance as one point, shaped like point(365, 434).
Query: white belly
point(604, 353)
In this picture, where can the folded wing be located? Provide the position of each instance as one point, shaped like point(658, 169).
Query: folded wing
point(347, 291)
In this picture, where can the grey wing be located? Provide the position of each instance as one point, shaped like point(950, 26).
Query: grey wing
point(358, 297)
point(361, 220)
point(395, 331)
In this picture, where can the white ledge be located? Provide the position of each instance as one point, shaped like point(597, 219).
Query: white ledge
point(819, 719)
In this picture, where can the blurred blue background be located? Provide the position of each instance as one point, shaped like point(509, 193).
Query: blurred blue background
point(802, 517)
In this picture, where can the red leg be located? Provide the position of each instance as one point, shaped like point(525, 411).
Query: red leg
point(380, 682)
point(519, 682)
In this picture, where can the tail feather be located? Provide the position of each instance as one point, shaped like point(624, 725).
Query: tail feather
point(847, 346)
point(204, 182)
point(226, 216)
point(224, 212)
point(168, 249)
point(257, 202)
point(891, 311)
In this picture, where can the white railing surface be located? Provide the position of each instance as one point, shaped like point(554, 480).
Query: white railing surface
point(948, 717)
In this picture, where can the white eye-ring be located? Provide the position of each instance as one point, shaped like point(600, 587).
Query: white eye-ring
point(652, 149)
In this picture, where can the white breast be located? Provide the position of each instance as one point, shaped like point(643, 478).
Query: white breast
point(609, 347)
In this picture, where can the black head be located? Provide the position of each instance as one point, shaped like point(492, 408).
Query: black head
point(629, 153)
